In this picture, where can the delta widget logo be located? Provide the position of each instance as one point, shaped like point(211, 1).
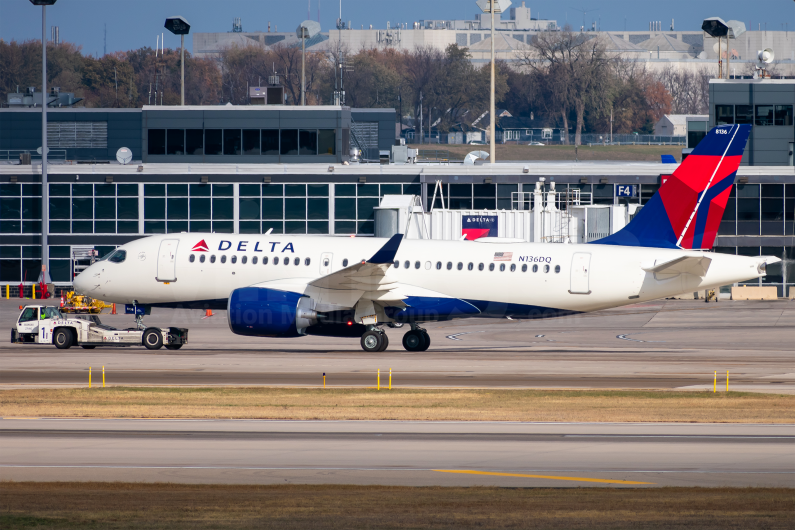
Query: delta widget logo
point(201, 246)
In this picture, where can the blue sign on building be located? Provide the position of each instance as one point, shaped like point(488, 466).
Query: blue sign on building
point(626, 190)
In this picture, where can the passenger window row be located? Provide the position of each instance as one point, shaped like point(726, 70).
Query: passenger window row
point(471, 266)
point(254, 259)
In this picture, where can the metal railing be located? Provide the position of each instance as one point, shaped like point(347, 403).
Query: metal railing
point(13, 154)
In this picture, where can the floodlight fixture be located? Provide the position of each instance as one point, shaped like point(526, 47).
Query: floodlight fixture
point(500, 6)
point(492, 7)
point(736, 28)
point(179, 26)
point(717, 28)
point(42, 2)
point(305, 30)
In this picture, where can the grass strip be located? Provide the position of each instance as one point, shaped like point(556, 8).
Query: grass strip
point(160, 506)
point(401, 404)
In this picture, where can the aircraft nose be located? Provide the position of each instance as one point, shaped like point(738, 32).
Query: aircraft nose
point(82, 281)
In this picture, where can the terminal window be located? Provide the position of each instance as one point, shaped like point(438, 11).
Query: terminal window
point(20, 208)
point(731, 114)
point(19, 263)
point(233, 142)
point(173, 208)
point(94, 208)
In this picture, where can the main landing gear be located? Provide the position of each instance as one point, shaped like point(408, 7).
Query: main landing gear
point(375, 340)
point(416, 339)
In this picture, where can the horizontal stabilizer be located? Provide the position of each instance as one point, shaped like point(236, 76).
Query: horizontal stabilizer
point(695, 265)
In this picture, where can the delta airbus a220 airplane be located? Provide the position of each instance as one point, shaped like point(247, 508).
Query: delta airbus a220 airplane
point(289, 286)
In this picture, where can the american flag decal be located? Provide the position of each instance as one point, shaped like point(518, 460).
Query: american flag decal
point(503, 256)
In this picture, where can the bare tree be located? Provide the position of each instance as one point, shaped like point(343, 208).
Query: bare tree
point(576, 68)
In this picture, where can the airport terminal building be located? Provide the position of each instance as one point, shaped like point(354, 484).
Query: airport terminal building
point(287, 169)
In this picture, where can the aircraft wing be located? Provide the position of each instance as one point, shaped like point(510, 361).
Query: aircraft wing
point(368, 276)
point(696, 265)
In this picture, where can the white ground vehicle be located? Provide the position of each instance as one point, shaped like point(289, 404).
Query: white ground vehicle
point(46, 325)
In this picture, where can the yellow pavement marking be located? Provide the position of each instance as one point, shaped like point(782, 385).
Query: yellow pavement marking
point(576, 479)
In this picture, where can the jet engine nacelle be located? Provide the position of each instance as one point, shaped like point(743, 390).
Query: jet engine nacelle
point(259, 312)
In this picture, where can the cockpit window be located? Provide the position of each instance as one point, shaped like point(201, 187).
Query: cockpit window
point(118, 257)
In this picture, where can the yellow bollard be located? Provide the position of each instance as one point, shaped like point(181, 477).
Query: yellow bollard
point(103, 376)
point(715, 383)
point(324, 379)
point(8, 292)
point(33, 296)
point(379, 379)
point(89, 377)
point(390, 379)
point(727, 380)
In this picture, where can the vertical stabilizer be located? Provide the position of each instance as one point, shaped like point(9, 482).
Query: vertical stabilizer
point(687, 210)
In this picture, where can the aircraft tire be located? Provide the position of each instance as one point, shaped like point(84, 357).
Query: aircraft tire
point(414, 340)
point(427, 340)
point(153, 339)
point(63, 338)
point(385, 340)
point(372, 341)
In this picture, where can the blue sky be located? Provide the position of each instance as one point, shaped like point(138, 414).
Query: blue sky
point(135, 23)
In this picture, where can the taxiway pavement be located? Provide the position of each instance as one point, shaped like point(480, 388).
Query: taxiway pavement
point(398, 453)
point(658, 345)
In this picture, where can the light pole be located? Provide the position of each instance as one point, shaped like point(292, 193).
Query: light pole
point(492, 6)
point(44, 277)
point(305, 30)
point(179, 26)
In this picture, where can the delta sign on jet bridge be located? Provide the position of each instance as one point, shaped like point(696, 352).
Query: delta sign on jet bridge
point(289, 286)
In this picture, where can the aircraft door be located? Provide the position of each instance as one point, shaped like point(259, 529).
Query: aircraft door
point(325, 263)
point(580, 271)
point(167, 261)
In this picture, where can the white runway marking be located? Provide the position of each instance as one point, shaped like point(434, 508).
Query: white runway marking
point(453, 336)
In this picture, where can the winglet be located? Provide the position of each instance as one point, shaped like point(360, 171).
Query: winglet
point(386, 254)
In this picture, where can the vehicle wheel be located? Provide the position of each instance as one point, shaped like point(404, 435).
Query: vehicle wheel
point(63, 339)
point(372, 341)
point(414, 340)
point(88, 347)
point(385, 340)
point(153, 339)
point(173, 346)
point(427, 339)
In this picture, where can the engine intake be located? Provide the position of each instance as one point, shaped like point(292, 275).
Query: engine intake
point(259, 312)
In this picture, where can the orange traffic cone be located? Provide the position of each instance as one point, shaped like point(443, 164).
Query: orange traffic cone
point(113, 310)
point(62, 300)
point(207, 314)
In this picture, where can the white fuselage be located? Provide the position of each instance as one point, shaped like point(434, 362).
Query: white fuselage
point(608, 276)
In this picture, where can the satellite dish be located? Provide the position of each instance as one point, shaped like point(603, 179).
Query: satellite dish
point(469, 160)
point(715, 47)
point(766, 55)
point(38, 150)
point(124, 156)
